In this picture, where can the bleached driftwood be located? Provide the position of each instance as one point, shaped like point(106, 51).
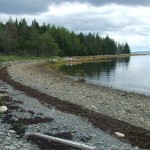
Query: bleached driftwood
point(67, 142)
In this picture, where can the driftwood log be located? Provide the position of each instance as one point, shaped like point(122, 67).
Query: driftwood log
point(59, 140)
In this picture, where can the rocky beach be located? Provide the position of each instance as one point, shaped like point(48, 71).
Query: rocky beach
point(90, 113)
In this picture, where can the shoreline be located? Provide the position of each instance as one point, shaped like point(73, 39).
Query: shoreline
point(102, 118)
point(125, 106)
point(121, 90)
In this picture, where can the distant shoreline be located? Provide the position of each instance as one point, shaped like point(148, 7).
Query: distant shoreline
point(141, 53)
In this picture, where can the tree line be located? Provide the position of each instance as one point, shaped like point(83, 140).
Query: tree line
point(18, 38)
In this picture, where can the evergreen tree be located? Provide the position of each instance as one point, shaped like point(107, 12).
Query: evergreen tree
point(47, 45)
point(23, 37)
point(43, 28)
point(1, 36)
point(126, 49)
point(35, 40)
point(10, 37)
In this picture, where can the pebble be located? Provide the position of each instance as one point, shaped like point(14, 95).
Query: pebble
point(94, 107)
point(3, 108)
point(120, 134)
point(10, 147)
point(12, 131)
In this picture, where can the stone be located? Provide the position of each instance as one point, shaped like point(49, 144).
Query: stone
point(5, 94)
point(120, 134)
point(94, 107)
point(12, 131)
point(81, 80)
point(10, 147)
point(3, 108)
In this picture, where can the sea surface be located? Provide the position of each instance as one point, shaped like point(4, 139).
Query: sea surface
point(130, 73)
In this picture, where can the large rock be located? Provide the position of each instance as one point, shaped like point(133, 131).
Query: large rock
point(3, 108)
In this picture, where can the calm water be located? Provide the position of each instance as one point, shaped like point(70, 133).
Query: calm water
point(131, 74)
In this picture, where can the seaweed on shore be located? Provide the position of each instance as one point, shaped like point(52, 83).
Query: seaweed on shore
point(19, 125)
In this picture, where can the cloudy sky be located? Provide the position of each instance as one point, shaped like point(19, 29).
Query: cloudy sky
point(123, 20)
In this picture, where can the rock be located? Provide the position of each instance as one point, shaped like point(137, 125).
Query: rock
point(12, 131)
point(81, 80)
point(5, 94)
point(94, 107)
point(120, 134)
point(136, 147)
point(3, 108)
point(10, 147)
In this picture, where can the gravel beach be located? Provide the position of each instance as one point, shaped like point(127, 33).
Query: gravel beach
point(81, 129)
point(128, 107)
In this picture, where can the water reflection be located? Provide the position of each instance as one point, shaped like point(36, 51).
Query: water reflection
point(130, 73)
point(96, 69)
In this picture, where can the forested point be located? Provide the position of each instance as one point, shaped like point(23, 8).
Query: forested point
point(18, 38)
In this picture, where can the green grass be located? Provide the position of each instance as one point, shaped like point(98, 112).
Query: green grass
point(1, 104)
point(2, 101)
point(7, 58)
point(19, 58)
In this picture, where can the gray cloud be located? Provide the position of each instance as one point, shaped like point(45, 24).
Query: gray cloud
point(121, 2)
point(103, 2)
point(24, 6)
point(38, 6)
